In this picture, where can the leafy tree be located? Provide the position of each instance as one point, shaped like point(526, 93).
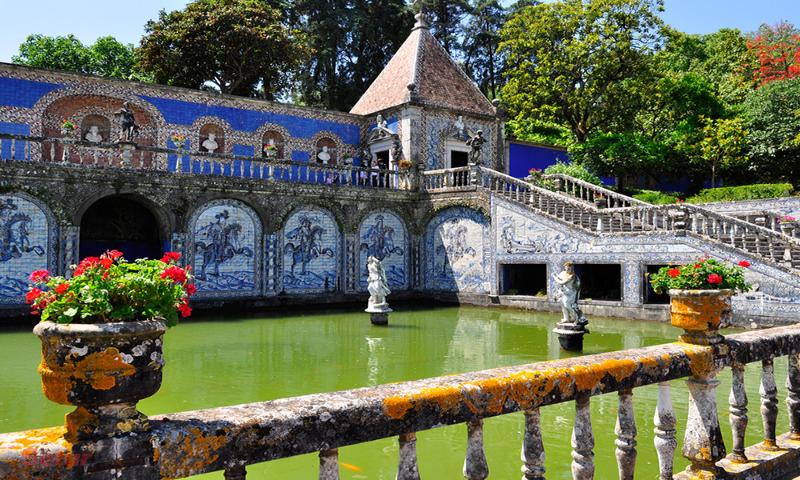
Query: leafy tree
point(481, 39)
point(580, 62)
point(106, 57)
point(722, 146)
point(776, 51)
point(240, 47)
point(446, 17)
point(621, 155)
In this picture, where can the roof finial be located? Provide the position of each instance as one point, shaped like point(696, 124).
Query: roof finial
point(422, 20)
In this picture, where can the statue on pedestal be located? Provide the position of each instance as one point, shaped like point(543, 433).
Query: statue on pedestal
point(127, 122)
point(378, 288)
point(475, 142)
point(572, 326)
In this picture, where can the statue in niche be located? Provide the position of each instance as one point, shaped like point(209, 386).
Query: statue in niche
point(459, 129)
point(475, 142)
point(210, 143)
point(377, 285)
point(381, 126)
point(570, 290)
point(127, 122)
point(324, 156)
point(93, 135)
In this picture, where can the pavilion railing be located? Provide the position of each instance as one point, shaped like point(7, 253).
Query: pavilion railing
point(230, 438)
point(591, 193)
point(73, 153)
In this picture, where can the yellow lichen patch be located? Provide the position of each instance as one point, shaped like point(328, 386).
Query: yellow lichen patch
point(191, 453)
point(79, 420)
point(55, 385)
point(100, 369)
point(27, 441)
point(698, 313)
point(701, 359)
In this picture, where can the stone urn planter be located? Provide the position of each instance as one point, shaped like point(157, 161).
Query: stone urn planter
point(600, 202)
point(701, 313)
point(104, 369)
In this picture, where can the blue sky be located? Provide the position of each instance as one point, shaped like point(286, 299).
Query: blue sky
point(125, 19)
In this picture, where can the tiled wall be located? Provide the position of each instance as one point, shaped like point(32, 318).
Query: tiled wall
point(383, 235)
point(25, 245)
point(457, 250)
point(311, 246)
point(227, 248)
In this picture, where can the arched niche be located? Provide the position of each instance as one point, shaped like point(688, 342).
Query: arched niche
point(27, 244)
point(95, 129)
point(273, 145)
point(225, 249)
point(123, 223)
point(383, 235)
point(310, 251)
point(211, 139)
point(456, 251)
point(326, 151)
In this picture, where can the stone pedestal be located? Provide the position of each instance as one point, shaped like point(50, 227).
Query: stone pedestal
point(379, 314)
point(570, 335)
point(126, 149)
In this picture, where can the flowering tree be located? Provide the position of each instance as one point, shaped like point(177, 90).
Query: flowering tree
point(776, 49)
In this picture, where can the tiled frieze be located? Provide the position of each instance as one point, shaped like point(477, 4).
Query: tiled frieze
point(383, 235)
point(311, 245)
point(226, 249)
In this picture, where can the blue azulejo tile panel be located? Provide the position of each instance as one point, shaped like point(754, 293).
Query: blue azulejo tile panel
point(24, 234)
point(383, 235)
point(185, 113)
point(226, 237)
point(15, 92)
point(457, 251)
point(310, 251)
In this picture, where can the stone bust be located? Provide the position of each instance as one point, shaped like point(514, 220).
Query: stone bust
point(210, 144)
point(93, 135)
point(324, 156)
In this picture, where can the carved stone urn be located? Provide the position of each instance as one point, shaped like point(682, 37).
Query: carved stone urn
point(701, 313)
point(103, 369)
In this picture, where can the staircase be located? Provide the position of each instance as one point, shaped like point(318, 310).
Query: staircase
point(575, 203)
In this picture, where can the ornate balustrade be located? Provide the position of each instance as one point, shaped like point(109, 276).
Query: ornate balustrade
point(230, 438)
point(85, 154)
point(591, 193)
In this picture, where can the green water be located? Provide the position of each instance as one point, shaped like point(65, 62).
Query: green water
point(239, 360)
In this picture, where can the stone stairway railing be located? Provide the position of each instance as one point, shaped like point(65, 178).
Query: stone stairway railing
point(73, 153)
point(230, 438)
point(591, 193)
point(782, 251)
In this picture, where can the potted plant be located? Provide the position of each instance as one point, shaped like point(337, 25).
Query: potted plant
point(535, 176)
point(68, 127)
point(700, 296)
point(788, 224)
point(600, 201)
point(179, 140)
point(101, 332)
point(270, 150)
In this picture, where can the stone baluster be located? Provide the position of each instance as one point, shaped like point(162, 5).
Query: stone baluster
point(407, 468)
point(793, 396)
point(329, 464)
point(532, 447)
point(235, 471)
point(664, 439)
point(769, 403)
point(582, 440)
point(475, 466)
point(626, 436)
point(738, 413)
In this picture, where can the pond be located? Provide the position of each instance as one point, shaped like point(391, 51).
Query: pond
point(216, 362)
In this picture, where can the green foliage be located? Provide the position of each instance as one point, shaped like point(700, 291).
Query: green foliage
point(620, 155)
point(704, 274)
point(573, 170)
point(482, 60)
point(445, 17)
point(580, 63)
point(111, 289)
point(742, 192)
point(106, 57)
point(655, 197)
point(535, 131)
point(722, 145)
point(241, 47)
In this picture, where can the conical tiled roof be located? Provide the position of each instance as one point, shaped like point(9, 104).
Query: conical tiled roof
point(436, 79)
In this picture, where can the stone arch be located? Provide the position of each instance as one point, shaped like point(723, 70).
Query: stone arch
point(273, 131)
point(456, 251)
point(206, 124)
point(121, 222)
point(29, 242)
point(383, 234)
point(164, 217)
point(225, 249)
point(311, 246)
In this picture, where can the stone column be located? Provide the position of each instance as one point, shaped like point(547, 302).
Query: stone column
point(632, 283)
point(351, 263)
point(70, 244)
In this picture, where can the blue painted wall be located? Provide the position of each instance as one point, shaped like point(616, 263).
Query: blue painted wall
point(16, 92)
point(522, 157)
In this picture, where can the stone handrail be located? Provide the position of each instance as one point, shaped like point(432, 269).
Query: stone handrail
point(230, 438)
point(70, 152)
point(590, 192)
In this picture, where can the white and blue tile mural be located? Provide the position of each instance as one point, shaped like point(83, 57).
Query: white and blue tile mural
point(24, 245)
point(457, 251)
point(383, 235)
point(310, 251)
point(226, 238)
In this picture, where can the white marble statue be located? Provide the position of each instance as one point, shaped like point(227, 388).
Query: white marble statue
point(210, 143)
point(93, 135)
point(460, 127)
point(377, 285)
point(324, 156)
point(570, 290)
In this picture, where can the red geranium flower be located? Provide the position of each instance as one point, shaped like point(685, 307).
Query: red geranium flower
point(714, 279)
point(673, 272)
point(191, 289)
point(185, 309)
point(174, 273)
point(170, 257)
point(744, 263)
point(40, 276)
point(32, 295)
point(86, 263)
point(697, 265)
point(61, 289)
point(106, 262)
point(113, 254)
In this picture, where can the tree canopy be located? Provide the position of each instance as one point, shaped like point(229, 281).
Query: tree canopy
point(106, 57)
